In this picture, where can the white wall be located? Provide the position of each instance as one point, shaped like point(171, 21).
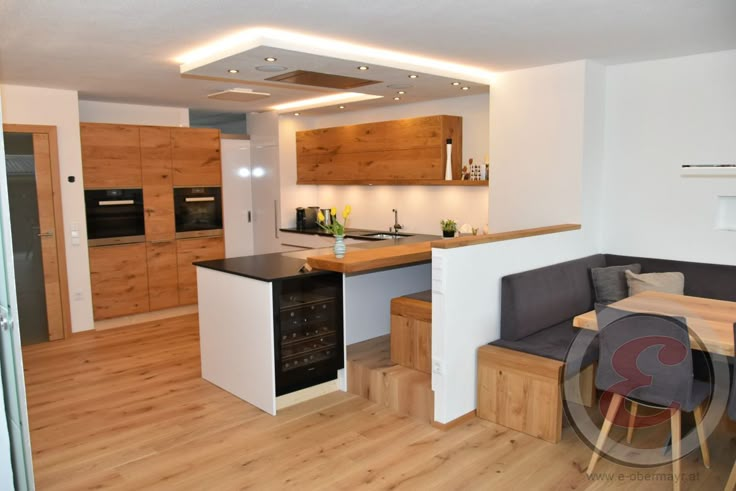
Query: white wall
point(662, 114)
point(33, 105)
point(420, 207)
point(110, 112)
point(536, 145)
point(466, 301)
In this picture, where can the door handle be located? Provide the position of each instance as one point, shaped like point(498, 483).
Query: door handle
point(46, 234)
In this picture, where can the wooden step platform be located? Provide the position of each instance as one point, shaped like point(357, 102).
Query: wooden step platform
point(372, 375)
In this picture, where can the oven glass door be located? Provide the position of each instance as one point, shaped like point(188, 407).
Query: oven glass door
point(114, 216)
point(197, 210)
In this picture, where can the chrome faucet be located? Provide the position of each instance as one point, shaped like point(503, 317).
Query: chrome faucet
point(397, 225)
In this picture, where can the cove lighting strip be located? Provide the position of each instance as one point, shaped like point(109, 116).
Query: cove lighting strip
point(325, 100)
point(290, 40)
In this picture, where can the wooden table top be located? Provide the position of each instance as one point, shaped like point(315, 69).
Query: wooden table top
point(709, 320)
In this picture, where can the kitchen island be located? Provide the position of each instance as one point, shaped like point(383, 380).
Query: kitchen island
point(242, 317)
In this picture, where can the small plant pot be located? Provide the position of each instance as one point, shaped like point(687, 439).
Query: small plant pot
point(448, 234)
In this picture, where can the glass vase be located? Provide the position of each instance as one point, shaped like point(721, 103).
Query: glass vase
point(339, 246)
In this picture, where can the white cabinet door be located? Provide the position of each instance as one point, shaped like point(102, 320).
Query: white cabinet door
point(237, 200)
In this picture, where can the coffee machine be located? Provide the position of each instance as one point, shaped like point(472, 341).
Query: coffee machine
point(306, 218)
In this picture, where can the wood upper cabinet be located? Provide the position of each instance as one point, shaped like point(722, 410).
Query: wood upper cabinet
point(119, 280)
point(111, 156)
point(408, 151)
point(158, 190)
point(195, 154)
point(193, 250)
point(163, 274)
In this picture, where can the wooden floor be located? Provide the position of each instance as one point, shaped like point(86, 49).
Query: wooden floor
point(126, 409)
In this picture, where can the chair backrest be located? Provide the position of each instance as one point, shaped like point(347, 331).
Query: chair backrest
point(645, 357)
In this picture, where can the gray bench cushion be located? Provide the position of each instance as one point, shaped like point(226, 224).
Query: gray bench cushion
point(539, 298)
point(553, 342)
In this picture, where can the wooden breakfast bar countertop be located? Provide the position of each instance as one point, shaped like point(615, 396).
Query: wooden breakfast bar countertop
point(358, 260)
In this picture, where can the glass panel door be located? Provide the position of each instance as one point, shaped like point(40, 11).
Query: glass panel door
point(11, 363)
point(26, 232)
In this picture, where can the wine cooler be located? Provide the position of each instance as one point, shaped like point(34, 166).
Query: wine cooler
point(308, 331)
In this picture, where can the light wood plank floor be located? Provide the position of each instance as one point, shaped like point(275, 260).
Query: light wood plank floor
point(127, 409)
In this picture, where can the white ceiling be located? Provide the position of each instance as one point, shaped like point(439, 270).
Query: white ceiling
point(124, 50)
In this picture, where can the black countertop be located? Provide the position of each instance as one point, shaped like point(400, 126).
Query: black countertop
point(286, 265)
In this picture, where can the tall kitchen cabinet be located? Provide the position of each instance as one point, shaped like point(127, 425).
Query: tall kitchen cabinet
point(158, 274)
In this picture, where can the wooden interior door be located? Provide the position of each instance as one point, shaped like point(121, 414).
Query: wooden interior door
point(51, 227)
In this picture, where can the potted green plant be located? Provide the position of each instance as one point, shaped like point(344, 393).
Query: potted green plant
point(449, 228)
point(336, 228)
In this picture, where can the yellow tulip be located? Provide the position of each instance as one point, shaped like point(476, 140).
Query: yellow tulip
point(346, 212)
point(333, 211)
point(320, 216)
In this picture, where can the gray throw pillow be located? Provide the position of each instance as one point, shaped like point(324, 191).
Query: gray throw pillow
point(610, 284)
point(657, 282)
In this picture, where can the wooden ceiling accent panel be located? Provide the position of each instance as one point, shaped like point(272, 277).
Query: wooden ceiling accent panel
point(317, 79)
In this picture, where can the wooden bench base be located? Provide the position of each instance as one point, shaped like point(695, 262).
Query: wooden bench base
point(524, 392)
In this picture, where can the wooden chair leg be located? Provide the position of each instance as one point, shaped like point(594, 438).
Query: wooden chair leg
point(676, 449)
point(698, 413)
point(632, 421)
point(605, 429)
point(731, 479)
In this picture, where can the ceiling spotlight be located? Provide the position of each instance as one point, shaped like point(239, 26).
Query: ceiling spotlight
point(397, 98)
point(296, 114)
point(466, 88)
point(413, 76)
point(341, 107)
point(455, 83)
point(401, 92)
point(362, 67)
point(270, 59)
point(233, 70)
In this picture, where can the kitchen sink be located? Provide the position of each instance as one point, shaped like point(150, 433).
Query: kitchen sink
point(383, 235)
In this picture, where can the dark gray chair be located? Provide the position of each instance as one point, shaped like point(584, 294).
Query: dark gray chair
point(646, 358)
point(732, 414)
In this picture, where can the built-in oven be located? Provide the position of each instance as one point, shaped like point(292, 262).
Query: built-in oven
point(114, 216)
point(198, 211)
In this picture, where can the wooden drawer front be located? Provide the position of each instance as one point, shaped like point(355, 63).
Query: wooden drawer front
point(158, 182)
point(195, 154)
point(411, 343)
point(193, 250)
point(163, 284)
point(411, 333)
point(411, 149)
point(119, 280)
point(111, 156)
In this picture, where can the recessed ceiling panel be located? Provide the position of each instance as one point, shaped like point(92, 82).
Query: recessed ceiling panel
point(317, 79)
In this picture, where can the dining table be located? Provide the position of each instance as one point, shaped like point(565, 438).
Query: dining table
point(710, 322)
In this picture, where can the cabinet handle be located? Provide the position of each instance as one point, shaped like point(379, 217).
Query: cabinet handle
point(161, 241)
point(249, 218)
point(116, 202)
point(46, 234)
point(197, 200)
point(276, 218)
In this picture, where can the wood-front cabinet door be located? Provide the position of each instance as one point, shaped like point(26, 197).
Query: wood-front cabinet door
point(111, 156)
point(158, 187)
point(163, 283)
point(195, 154)
point(193, 250)
point(119, 280)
